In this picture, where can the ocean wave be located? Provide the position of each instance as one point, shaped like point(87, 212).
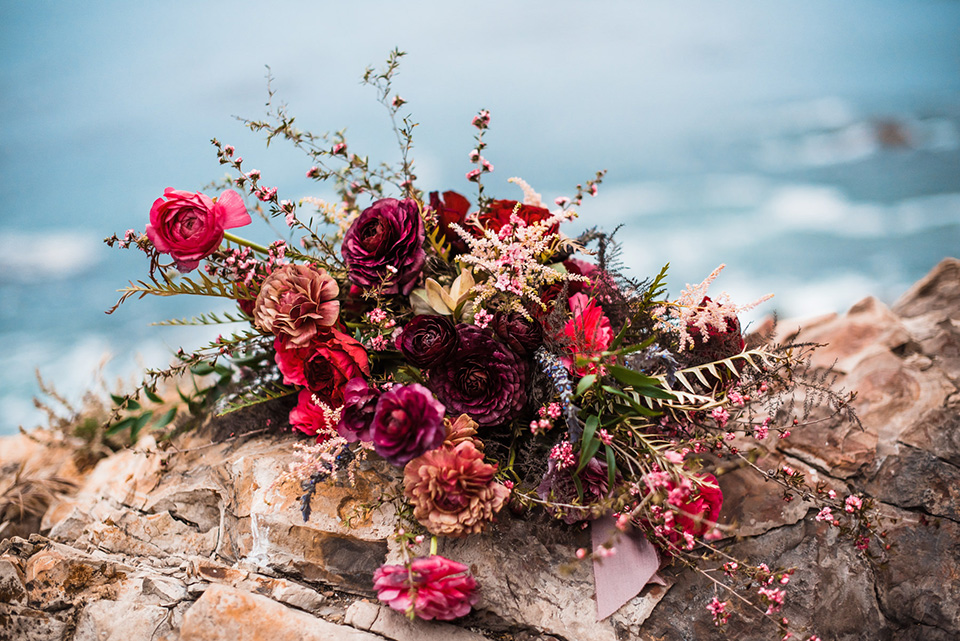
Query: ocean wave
point(29, 256)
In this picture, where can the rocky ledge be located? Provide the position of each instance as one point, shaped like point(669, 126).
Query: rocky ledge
point(198, 541)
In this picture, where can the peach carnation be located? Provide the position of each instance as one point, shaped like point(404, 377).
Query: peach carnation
point(296, 302)
point(452, 490)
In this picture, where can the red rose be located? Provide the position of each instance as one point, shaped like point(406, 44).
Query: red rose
point(700, 514)
point(498, 214)
point(324, 367)
point(452, 208)
point(309, 418)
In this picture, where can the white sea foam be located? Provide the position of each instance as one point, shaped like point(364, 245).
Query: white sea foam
point(42, 255)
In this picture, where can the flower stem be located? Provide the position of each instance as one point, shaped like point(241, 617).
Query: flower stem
point(246, 243)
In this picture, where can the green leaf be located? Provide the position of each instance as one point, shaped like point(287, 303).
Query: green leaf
point(139, 424)
point(585, 383)
point(152, 395)
point(589, 444)
point(120, 425)
point(166, 417)
point(620, 335)
point(117, 400)
point(579, 486)
point(611, 467)
point(634, 405)
point(631, 377)
point(202, 369)
point(654, 392)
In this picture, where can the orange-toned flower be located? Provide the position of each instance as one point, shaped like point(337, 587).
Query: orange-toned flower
point(296, 302)
point(452, 490)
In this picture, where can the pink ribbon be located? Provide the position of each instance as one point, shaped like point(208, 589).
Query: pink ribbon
point(620, 577)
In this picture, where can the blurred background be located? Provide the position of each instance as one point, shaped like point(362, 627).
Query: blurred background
point(812, 147)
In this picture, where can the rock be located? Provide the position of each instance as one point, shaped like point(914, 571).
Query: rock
point(204, 540)
point(393, 625)
point(119, 621)
point(11, 586)
point(228, 614)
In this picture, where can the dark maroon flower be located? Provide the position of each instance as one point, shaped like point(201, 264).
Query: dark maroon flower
point(408, 422)
point(452, 208)
point(557, 486)
point(387, 236)
point(482, 378)
point(359, 406)
point(714, 344)
point(498, 214)
point(432, 587)
point(522, 335)
point(426, 340)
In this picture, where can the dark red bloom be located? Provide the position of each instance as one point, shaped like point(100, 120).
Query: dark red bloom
point(498, 214)
point(433, 588)
point(699, 515)
point(522, 335)
point(359, 406)
point(482, 378)
point(716, 344)
point(426, 340)
point(408, 421)
point(452, 208)
point(384, 245)
point(323, 367)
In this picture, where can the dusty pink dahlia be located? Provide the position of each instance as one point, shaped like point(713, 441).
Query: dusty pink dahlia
point(296, 302)
point(432, 588)
point(452, 490)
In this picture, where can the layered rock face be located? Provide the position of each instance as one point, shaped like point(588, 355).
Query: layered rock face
point(200, 542)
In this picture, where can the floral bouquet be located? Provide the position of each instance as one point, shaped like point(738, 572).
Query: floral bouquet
point(494, 360)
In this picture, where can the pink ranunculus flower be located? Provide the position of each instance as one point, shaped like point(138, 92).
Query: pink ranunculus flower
point(189, 226)
point(432, 588)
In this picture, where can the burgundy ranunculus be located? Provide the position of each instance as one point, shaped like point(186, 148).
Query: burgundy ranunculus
point(498, 214)
point(426, 340)
point(522, 335)
point(189, 226)
point(452, 208)
point(433, 587)
point(323, 367)
point(557, 486)
point(482, 378)
point(408, 422)
point(387, 236)
point(715, 345)
point(359, 406)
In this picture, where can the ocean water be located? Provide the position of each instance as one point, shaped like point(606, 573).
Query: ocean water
point(813, 148)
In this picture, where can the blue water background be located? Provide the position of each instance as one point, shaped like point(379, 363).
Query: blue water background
point(812, 147)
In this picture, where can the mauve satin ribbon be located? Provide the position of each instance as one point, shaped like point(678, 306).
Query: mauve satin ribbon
point(620, 577)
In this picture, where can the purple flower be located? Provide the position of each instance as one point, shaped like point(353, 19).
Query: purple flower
point(359, 405)
point(408, 422)
point(557, 486)
point(385, 246)
point(427, 340)
point(522, 335)
point(482, 378)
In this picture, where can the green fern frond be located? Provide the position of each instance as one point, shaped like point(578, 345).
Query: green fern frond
point(204, 319)
point(257, 395)
point(186, 285)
